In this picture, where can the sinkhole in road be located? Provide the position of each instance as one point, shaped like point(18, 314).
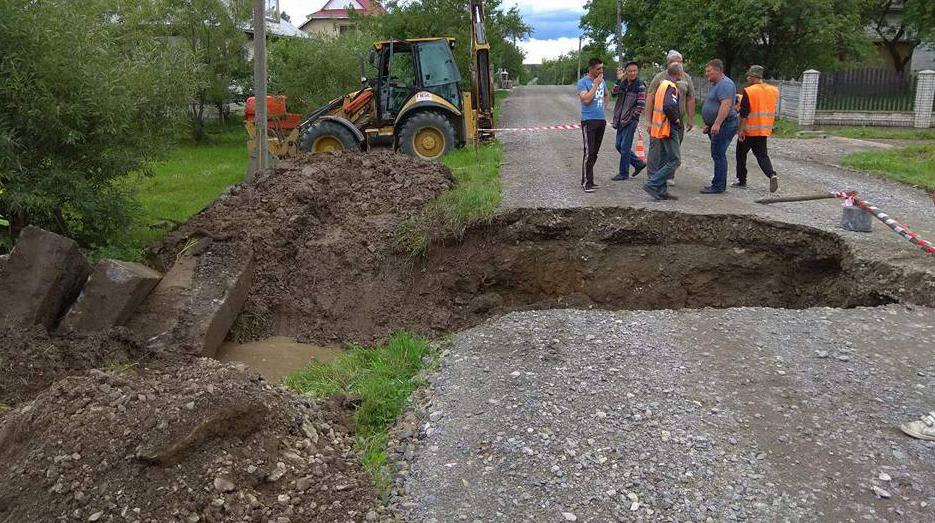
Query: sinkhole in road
point(611, 259)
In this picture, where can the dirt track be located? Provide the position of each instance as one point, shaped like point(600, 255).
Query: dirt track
point(733, 414)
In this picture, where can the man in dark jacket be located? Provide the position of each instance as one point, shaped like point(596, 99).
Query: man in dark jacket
point(631, 99)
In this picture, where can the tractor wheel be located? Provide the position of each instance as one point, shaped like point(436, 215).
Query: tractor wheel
point(326, 137)
point(428, 135)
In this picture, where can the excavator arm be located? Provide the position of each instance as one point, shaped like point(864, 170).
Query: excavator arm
point(482, 81)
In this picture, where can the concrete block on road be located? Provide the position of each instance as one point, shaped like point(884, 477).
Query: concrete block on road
point(194, 306)
point(113, 292)
point(44, 275)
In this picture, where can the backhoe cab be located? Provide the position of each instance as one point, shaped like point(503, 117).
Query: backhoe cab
point(414, 103)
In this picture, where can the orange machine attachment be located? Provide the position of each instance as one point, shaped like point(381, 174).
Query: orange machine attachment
point(282, 127)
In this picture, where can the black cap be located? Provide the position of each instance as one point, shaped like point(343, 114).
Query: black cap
point(631, 62)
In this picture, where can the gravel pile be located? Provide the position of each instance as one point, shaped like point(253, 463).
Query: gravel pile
point(743, 414)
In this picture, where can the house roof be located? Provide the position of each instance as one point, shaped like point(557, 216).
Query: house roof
point(341, 8)
point(280, 28)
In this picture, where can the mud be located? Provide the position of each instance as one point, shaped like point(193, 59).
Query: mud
point(276, 357)
point(200, 442)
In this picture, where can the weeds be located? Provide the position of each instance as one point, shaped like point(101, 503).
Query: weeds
point(881, 133)
point(382, 377)
point(913, 165)
point(4, 407)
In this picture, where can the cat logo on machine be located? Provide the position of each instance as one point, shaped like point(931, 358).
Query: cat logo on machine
point(423, 96)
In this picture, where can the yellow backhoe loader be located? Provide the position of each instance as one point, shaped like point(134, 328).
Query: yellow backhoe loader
point(414, 104)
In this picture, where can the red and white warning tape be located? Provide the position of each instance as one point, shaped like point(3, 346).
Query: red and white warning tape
point(900, 228)
point(569, 127)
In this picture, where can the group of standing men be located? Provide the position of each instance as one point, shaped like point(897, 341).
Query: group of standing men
point(669, 108)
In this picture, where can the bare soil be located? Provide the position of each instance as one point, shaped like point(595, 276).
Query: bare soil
point(204, 441)
point(31, 359)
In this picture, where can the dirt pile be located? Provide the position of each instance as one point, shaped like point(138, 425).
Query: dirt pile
point(31, 359)
point(200, 442)
point(316, 225)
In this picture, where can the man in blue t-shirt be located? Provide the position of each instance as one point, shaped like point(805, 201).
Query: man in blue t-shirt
point(592, 91)
point(720, 122)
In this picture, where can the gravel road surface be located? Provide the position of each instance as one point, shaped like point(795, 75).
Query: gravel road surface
point(746, 414)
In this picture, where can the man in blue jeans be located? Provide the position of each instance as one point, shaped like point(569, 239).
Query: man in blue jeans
point(720, 119)
point(631, 99)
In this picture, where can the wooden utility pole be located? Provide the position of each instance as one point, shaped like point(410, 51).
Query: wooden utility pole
point(579, 59)
point(619, 34)
point(259, 88)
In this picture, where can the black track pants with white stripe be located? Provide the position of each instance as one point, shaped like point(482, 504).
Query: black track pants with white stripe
point(592, 132)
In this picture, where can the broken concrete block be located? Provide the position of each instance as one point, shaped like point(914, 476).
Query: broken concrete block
point(114, 290)
point(44, 275)
point(193, 307)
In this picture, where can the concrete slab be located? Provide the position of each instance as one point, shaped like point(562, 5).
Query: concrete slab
point(195, 304)
point(44, 275)
point(113, 292)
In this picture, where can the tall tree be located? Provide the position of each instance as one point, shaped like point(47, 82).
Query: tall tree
point(901, 26)
point(213, 33)
point(786, 36)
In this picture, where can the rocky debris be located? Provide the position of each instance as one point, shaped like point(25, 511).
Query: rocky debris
point(43, 276)
point(31, 359)
point(113, 292)
point(121, 446)
point(673, 416)
point(195, 304)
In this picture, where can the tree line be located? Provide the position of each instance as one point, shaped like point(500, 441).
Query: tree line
point(785, 36)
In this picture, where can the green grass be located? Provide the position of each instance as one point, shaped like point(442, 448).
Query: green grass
point(914, 165)
point(188, 180)
point(881, 133)
point(382, 377)
point(474, 199)
point(4, 407)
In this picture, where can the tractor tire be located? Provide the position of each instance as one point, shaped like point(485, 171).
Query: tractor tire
point(427, 135)
point(327, 136)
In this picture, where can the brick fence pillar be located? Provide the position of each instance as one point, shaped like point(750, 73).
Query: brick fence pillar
point(925, 96)
point(808, 98)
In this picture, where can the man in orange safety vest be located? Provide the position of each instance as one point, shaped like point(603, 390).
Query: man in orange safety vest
point(758, 106)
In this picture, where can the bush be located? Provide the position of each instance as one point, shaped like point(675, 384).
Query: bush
point(82, 103)
point(313, 71)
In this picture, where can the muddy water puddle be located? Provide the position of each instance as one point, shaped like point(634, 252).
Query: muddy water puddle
point(276, 357)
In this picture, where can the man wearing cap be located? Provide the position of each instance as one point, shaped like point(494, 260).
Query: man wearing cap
point(631, 99)
point(686, 100)
point(758, 103)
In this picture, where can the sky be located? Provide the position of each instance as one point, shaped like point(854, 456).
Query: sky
point(554, 23)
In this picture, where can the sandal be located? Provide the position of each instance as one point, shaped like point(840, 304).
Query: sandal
point(923, 428)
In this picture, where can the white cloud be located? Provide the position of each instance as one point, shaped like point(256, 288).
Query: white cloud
point(537, 50)
point(300, 9)
point(543, 6)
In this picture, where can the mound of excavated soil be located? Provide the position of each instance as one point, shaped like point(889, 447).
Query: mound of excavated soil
point(31, 359)
point(317, 225)
point(204, 441)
